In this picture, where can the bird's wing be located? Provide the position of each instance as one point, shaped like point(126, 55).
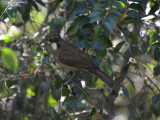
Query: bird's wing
point(75, 59)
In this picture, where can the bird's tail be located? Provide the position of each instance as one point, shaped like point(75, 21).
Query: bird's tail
point(103, 77)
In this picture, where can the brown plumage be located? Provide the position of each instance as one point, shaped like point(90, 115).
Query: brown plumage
point(73, 59)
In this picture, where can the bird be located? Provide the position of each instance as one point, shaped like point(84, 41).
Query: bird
point(72, 58)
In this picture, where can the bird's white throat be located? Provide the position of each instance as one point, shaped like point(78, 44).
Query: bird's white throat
point(54, 46)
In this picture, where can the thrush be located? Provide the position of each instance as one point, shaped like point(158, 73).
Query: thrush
point(72, 58)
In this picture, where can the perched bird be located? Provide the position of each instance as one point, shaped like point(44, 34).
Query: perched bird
point(70, 57)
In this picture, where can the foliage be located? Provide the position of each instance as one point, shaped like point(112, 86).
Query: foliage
point(119, 36)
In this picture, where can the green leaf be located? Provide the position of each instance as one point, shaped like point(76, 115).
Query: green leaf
point(154, 8)
point(112, 22)
point(146, 66)
point(7, 38)
point(10, 83)
point(140, 1)
point(129, 20)
point(65, 91)
point(114, 55)
point(25, 40)
point(82, 20)
point(108, 41)
point(82, 44)
point(12, 13)
point(98, 45)
point(52, 10)
point(40, 2)
point(119, 46)
point(129, 34)
point(9, 59)
point(55, 92)
point(122, 4)
point(80, 8)
point(93, 112)
point(156, 70)
point(70, 5)
point(98, 6)
point(58, 1)
point(125, 2)
point(44, 60)
point(155, 99)
point(154, 38)
point(34, 4)
point(132, 37)
point(125, 91)
point(128, 78)
point(70, 100)
point(115, 12)
point(95, 14)
point(108, 26)
point(157, 54)
point(136, 6)
point(15, 31)
point(118, 5)
point(133, 13)
point(108, 68)
point(95, 19)
point(53, 113)
point(98, 31)
point(156, 109)
point(72, 29)
point(58, 82)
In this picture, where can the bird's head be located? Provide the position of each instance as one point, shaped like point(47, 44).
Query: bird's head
point(54, 37)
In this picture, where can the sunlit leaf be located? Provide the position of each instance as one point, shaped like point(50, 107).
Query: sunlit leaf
point(12, 13)
point(118, 5)
point(15, 31)
point(7, 38)
point(30, 92)
point(9, 59)
point(52, 102)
